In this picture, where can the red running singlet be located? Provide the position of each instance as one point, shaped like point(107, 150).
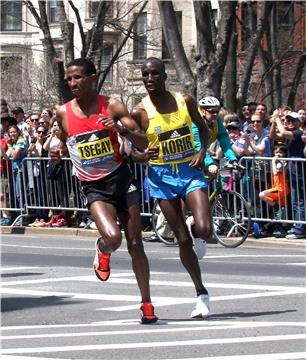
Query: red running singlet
point(94, 149)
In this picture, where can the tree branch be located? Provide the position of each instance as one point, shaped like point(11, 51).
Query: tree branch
point(104, 73)
point(80, 26)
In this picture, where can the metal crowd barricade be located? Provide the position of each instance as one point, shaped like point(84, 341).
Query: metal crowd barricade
point(12, 189)
point(62, 193)
point(38, 193)
point(258, 177)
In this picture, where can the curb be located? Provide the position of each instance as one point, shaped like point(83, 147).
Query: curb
point(24, 230)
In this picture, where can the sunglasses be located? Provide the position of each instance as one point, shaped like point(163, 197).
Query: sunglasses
point(41, 122)
point(256, 121)
point(211, 111)
point(34, 119)
point(290, 119)
point(232, 129)
point(40, 132)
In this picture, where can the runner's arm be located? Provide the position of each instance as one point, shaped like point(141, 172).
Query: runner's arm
point(197, 119)
point(129, 128)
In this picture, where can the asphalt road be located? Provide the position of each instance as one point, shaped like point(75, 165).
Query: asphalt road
point(53, 306)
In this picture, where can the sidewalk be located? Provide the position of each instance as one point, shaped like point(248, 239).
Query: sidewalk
point(23, 230)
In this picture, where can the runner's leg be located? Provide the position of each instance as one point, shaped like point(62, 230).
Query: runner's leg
point(197, 201)
point(105, 217)
point(172, 210)
point(131, 222)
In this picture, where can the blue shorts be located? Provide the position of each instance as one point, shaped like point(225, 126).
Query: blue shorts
point(170, 181)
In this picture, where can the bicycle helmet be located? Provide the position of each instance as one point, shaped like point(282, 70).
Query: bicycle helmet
point(209, 101)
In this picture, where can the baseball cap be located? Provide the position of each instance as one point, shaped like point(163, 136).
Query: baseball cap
point(294, 115)
point(5, 116)
point(233, 124)
point(18, 109)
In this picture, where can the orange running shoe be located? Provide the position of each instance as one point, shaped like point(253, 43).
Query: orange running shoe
point(147, 313)
point(101, 264)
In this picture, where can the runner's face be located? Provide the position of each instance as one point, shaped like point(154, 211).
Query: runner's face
point(79, 83)
point(153, 77)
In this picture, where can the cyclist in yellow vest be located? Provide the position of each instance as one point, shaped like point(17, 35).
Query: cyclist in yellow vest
point(175, 168)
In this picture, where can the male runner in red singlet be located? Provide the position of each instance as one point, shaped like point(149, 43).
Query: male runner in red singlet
point(89, 123)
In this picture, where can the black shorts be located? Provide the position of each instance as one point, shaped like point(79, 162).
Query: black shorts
point(116, 189)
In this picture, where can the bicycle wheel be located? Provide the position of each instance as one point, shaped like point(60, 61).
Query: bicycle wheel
point(231, 219)
point(161, 227)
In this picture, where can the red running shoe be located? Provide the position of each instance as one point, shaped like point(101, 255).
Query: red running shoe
point(60, 223)
point(101, 264)
point(53, 220)
point(147, 313)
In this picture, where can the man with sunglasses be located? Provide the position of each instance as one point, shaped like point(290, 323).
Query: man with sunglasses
point(247, 111)
point(209, 108)
point(292, 134)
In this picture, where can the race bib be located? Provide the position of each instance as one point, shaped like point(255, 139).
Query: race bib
point(94, 148)
point(176, 144)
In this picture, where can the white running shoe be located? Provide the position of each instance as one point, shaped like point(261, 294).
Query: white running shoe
point(202, 307)
point(93, 226)
point(200, 245)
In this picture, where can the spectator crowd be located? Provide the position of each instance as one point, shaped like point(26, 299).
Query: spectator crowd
point(253, 132)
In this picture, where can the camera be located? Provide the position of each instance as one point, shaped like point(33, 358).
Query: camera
point(281, 164)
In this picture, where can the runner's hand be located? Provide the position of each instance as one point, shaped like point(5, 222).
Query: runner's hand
point(112, 124)
point(152, 153)
point(197, 161)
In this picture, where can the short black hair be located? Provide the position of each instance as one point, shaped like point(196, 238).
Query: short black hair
point(281, 147)
point(86, 64)
point(155, 59)
point(262, 104)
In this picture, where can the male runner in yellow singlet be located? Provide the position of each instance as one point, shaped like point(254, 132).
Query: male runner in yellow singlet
point(175, 168)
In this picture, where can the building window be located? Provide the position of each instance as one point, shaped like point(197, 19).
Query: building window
point(94, 5)
point(140, 38)
point(11, 16)
point(165, 50)
point(107, 55)
point(53, 11)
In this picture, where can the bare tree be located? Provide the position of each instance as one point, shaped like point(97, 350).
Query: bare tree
point(92, 42)
point(296, 79)
point(213, 52)
point(213, 45)
point(229, 87)
point(175, 46)
point(25, 82)
point(251, 52)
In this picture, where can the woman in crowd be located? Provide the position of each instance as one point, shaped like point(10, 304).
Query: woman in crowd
point(38, 175)
point(59, 192)
point(17, 151)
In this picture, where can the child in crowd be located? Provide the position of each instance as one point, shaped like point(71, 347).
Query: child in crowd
point(278, 194)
